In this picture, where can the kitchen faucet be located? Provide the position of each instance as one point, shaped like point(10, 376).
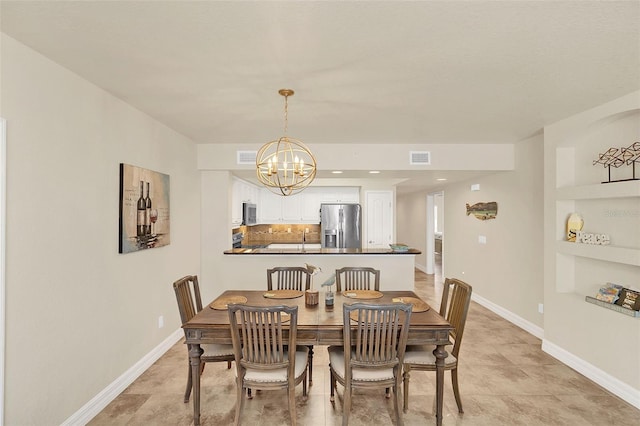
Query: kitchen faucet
point(304, 237)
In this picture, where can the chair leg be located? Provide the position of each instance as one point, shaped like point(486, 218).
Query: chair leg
point(239, 400)
point(249, 395)
point(187, 392)
point(346, 406)
point(405, 379)
point(310, 364)
point(387, 393)
point(332, 386)
point(304, 386)
point(228, 365)
point(396, 398)
point(292, 403)
point(456, 389)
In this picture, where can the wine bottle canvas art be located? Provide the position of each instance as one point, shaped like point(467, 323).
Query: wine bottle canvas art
point(144, 209)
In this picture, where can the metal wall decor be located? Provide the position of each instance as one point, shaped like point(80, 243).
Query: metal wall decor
point(483, 211)
point(617, 157)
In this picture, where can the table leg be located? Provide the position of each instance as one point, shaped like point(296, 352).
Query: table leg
point(194, 359)
point(440, 355)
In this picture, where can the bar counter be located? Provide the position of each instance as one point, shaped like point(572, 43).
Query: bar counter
point(322, 251)
point(249, 265)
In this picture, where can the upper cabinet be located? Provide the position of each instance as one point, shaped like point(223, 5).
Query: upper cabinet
point(303, 207)
point(340, 194)
point(242, 192)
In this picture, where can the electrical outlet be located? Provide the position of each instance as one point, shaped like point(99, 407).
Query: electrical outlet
point(541, 308)
point(482, 239)
point(160, 321)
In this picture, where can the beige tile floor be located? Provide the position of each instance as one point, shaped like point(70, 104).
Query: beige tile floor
point(509, 383)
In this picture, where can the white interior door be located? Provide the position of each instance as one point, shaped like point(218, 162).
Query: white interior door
point(379, 206)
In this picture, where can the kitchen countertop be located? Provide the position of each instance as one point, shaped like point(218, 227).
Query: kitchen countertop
point(322, 251)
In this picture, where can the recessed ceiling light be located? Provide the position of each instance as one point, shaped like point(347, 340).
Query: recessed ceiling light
point(374, 172)
point(336, 172)
point(441, 179)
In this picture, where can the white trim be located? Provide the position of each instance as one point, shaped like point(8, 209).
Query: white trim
point(607, 381)
point(421, 268)
point(510, 316)
point(108, 394)
point(3, 229)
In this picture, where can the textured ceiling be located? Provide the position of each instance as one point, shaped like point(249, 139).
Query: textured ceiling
point(363, 72)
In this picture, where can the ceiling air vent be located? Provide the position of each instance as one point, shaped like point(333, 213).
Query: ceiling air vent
point(419, 158)
point(247, 157)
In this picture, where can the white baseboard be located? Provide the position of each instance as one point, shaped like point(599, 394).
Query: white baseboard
point(101, 400)
point(421, 268)
point(610, 383)
point(510, 316)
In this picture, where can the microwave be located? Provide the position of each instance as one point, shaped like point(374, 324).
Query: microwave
point(249, 214)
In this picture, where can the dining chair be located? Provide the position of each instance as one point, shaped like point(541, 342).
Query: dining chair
point(262, 345)
point(357, 278)
point(189, 304)
point(456, 296)
point(375, 351)
point(288, 278)
point(291, 278)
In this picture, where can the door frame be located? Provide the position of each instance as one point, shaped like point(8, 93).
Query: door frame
point(3, 235)
point(431, 234)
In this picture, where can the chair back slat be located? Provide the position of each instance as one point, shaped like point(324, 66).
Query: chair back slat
point(288, 278)
point(357, 278)
point(259, 337)
point(380, 337)
point(456, 297)
point(188, 296)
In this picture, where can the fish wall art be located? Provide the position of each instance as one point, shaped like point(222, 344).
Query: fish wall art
point(483, 211)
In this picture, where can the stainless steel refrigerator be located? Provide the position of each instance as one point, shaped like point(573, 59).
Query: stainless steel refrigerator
point(341, 225)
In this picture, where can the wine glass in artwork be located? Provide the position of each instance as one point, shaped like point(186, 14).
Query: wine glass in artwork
point(153, 217)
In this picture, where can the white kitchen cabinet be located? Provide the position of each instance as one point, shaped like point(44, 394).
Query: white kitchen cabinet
point(291, 207)
point(270, 207)
point(303, 207)
point(241, 192)
point(346, 194)
point(310, 209)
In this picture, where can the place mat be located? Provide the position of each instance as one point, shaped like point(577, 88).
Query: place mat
point(283, 294)
point(418, 304)
point(222, 303)
point(362, 294)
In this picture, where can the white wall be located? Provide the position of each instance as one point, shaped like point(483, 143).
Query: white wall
point(411, 223)
point(600, 343)
point(78, 313)
point(507, 271)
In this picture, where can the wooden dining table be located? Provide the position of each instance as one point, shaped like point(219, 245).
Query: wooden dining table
point(317, 325)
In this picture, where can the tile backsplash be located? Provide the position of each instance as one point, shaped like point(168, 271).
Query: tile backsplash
point(279, 233)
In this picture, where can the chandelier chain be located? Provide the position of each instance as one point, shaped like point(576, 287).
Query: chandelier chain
point(286, 114)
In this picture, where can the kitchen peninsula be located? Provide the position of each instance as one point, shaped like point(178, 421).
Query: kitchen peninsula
point(396, 268)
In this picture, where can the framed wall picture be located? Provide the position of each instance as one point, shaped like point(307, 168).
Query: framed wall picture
point(144, 209)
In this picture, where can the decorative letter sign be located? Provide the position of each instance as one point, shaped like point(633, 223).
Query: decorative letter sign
point(596, 239)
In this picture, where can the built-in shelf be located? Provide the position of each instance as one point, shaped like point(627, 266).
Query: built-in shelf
point(624, 189)
point(627, 256)
point(612, 307)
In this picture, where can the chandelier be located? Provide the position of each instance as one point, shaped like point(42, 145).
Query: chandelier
point(285, 166)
